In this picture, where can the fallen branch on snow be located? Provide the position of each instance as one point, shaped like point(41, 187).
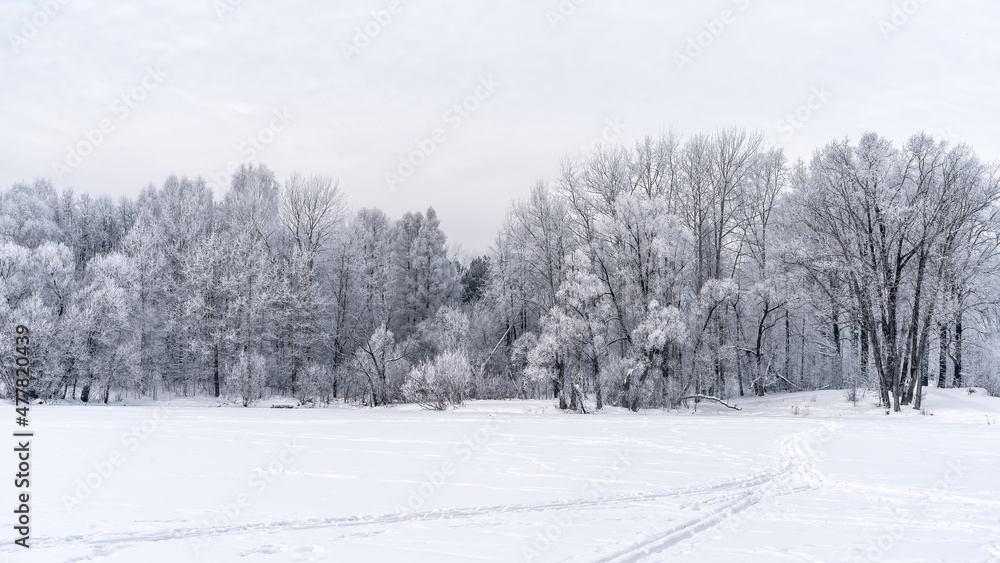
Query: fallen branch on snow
point(711, 398)
point(789, 382)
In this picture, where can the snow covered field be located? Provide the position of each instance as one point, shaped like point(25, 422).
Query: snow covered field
point(800, 477)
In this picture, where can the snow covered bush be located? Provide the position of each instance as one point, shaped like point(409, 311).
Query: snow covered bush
point(439, 383)
point(379, 367)
point(247, 378)
point(316, 383)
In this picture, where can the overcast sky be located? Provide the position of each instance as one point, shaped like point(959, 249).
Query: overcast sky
point(180, 86)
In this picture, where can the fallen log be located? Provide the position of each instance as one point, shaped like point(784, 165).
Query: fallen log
point(710, 398)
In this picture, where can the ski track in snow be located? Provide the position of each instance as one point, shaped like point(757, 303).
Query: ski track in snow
point(103, 543)
point(793, 472)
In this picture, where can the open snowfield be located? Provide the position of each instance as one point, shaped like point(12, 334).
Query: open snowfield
point(799, 477)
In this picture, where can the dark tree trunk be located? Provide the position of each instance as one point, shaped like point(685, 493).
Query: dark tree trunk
point(561, 383)
point(758, 384)
point(216, 374)
point(924, 364)
point(573, 404)
point(925, 359)
point(739, 376)
point(788, 347)
point(837, 368)
point(596, 367)
point(892, 353)
point(863, 337)
point(957, 376)
point(942, 355)
point(802, 354)
point(384, 384)
point(914, 337)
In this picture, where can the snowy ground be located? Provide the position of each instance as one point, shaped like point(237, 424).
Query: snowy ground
point(801, 477)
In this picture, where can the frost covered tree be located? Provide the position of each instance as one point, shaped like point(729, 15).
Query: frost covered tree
point(252, 277)
point(675, 269)
point(882, 216)
point(763, 278)
point(105, 341)
point(247, 377)
point(28, 214)
point(373, 272)
point(204, 309)
point(425, 276)
point(380, 365)
point(311, 210)
point(531, 252)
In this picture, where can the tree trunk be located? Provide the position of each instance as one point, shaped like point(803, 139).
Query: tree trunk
point(837, 368)
point(925, 360)
point(957, 376)
point(739, 376)
point(863, 338)
point(904, 371)
point(384, 385)
point(573, 404)
point(942, 355)
point(914, 337)
point(758, 383)
point(802, 354)
point(788, 348)
point(561, 383)
point(597, 383)
point(216, 374)
point(891, 347)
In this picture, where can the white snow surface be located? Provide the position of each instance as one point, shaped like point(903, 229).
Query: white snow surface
point(793, 477)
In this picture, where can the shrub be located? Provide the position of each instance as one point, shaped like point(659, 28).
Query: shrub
point(440, 383)
point(246, 378)
point(316, 384)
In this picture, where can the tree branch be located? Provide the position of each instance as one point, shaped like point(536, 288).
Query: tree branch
point(711, 398)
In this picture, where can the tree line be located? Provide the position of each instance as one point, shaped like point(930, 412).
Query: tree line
point(667, 272)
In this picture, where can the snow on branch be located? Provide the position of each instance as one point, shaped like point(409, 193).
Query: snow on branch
point(711, 398)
